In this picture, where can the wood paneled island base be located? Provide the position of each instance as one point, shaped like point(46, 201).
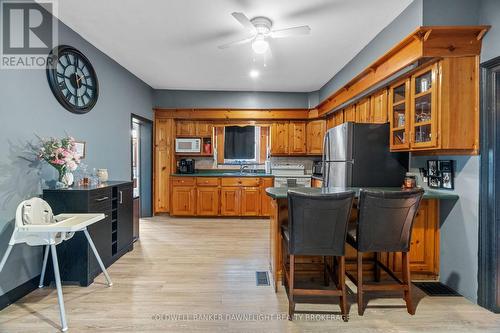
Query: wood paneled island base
point(424, 249)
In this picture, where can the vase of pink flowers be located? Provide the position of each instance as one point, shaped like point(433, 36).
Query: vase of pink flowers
point(62, 155)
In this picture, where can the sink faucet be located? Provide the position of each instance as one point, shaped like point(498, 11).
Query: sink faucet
point(243, 167)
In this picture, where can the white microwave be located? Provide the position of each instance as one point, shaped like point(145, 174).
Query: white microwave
point(187, 145)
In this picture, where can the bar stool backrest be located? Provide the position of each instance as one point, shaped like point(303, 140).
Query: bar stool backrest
point(386, 219)
point(318, 223)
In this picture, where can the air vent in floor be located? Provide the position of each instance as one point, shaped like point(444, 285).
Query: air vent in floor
point(262, 278)
point(436, 289)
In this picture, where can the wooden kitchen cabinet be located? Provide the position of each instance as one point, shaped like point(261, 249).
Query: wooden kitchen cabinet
point(423, 108)
point(265, 200)
point(363, 111)
point(207, 201)
point(162, 164)
point(279, 138)
point(230, 201)
point(204, 130)
point(424, 246)
point(183, 200)
point(250, 201)
point(436, 109)
point(315, 134)
point(378, 107)
point(297, 138)
point(185, 128)
point(350, 113)
point(399, 114)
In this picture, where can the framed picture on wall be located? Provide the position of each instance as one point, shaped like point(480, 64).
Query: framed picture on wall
point(80, 149)
point(446, 170)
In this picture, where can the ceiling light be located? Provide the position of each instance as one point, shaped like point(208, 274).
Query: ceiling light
point(254, 74)
point(260, 45)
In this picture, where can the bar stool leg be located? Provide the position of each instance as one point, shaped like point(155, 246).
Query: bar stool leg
point(326, 277)
point(343, 298)
point(5, 256)
point(91, 243)
point(62, 312)
point(291, 303)
point(44, 266)
point(361, 309)
point(377, 267)
point(407, 280)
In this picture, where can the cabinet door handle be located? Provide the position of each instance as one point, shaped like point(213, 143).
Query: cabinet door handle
point(102, 199)
point(121, 197)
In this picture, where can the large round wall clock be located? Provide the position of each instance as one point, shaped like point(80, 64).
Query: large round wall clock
point(72, 79)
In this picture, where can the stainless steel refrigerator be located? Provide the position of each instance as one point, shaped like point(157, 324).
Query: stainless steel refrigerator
point(358, 155)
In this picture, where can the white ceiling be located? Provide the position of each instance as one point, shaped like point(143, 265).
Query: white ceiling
point(173, 44)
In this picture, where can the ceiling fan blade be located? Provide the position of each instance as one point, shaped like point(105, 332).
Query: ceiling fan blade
point(244, 20)
point(289, 32)
point(238, 42)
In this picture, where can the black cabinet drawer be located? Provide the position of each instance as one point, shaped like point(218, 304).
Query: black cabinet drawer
point(99, 201)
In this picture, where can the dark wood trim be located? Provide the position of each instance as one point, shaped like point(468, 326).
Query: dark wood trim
point(489, 193)
point(19, 292)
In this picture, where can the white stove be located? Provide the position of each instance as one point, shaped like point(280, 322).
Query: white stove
point(290, 175)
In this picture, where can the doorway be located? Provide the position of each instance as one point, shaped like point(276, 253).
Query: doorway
point(489, 201)
point(142, 164)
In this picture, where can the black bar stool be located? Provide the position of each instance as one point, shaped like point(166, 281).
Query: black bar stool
point(385, 223)
point(317, 226)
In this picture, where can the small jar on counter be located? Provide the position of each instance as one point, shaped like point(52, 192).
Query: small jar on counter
point(410, 181)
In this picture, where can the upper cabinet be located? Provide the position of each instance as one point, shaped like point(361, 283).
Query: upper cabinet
point(279, 138)
point(185, 128)
point(297, 138)
point(378, 107)
point(204, 130)
point(436, 108)
point(399, 110)
point(423, 108)
point(350, 113)
point(363, 111)
point(315, 133)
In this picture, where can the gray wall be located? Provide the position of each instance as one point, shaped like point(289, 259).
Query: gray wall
point(459, 225)
point(451, 12)
point(489, 13)
point(404, 24)
point(27, 107)
point(229, 99)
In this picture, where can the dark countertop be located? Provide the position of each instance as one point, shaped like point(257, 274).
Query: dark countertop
point(222, 173)
point(281, 192)
point(90, 187)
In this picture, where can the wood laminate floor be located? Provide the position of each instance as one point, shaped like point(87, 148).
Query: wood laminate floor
point(198, 275)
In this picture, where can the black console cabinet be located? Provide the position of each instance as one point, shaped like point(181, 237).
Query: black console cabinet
point(113, 236)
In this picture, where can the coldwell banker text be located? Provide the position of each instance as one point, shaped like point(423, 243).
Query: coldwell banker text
point(28, 33)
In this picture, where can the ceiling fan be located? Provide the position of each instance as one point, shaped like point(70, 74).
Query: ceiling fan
point(260, 28)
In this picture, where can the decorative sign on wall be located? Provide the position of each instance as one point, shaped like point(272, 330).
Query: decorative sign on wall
point(440, 174)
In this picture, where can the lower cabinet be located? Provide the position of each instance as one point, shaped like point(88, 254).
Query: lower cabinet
point(183, 200)
point(227, 196)
point(207, 201)
point(230, 201)
point(250, 201)
point(424, 245)
point(265, 200)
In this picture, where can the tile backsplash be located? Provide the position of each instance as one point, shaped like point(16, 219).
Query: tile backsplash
point(208, 163)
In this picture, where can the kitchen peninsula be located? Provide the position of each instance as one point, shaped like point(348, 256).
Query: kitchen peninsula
point(424, 250)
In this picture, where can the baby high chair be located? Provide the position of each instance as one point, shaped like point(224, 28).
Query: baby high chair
point(36, 225)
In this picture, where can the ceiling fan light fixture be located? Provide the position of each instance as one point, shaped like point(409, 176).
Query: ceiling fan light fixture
point(260, 45)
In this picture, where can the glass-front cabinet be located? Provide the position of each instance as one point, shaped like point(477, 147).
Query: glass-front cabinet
point(399, 106)
point(423, 108)
point(412, 104)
